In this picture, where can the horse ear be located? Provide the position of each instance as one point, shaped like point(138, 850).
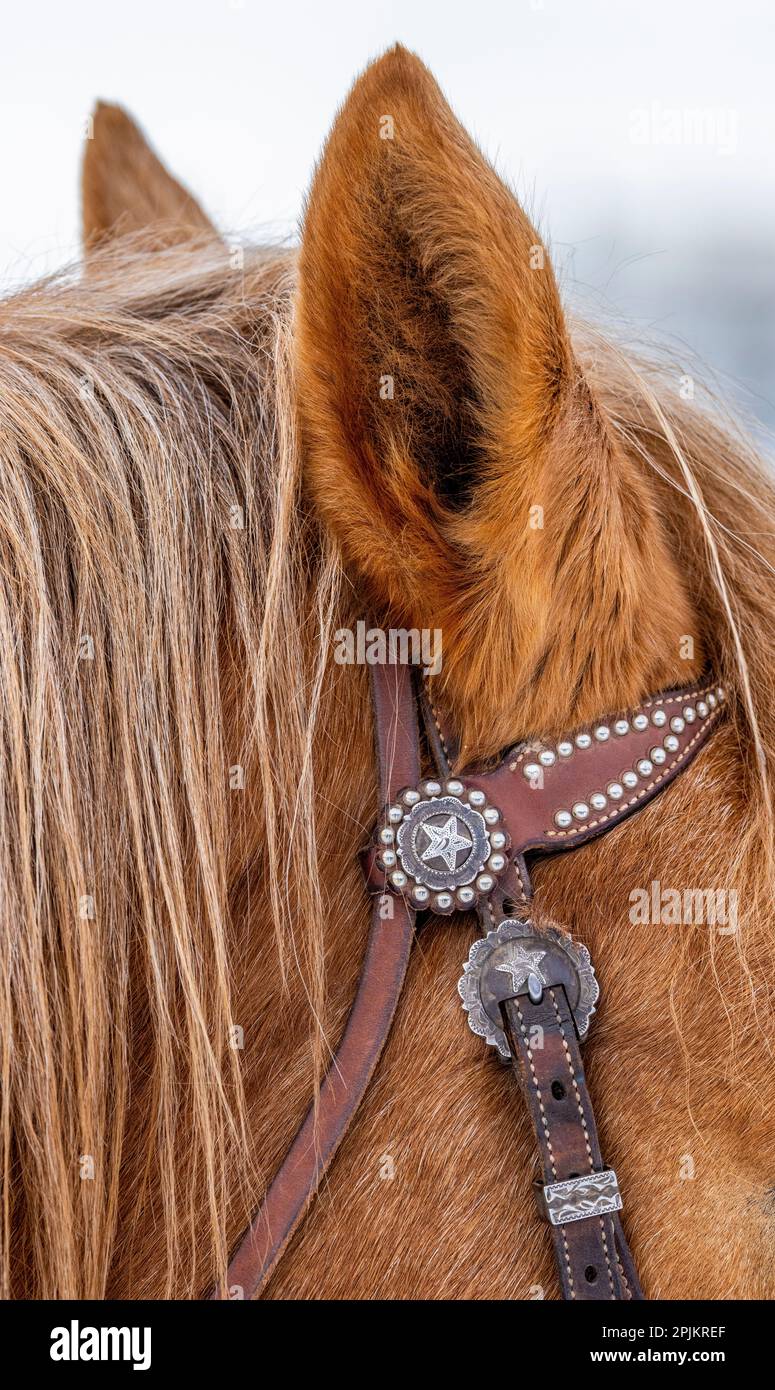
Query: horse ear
point(125, 187)
point(451, 441)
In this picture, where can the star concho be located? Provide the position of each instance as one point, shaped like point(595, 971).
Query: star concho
point(515, 958)
point(443, 846)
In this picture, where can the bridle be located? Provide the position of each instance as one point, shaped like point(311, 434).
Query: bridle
point(458, 842)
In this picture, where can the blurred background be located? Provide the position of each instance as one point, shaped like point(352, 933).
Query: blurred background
point(641, 136)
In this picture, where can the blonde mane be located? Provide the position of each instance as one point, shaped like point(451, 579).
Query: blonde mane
point(157, 584)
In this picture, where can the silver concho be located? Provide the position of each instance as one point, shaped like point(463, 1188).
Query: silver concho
point(512, 959)
point(443, 845)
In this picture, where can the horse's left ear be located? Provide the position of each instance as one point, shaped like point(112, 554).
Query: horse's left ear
point(452, 443)
point(125, 187)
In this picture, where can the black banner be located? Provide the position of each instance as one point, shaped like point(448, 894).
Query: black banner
point(60, 1340)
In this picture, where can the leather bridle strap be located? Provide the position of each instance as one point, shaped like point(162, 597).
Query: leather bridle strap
point(592, 1255)
point(379, 988)
point(541, 798)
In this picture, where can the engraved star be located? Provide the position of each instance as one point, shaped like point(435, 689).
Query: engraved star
point(445, 842)
point(522, 964)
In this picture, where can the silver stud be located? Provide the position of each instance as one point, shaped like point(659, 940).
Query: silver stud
point(602, 733)
point(498, 839)
point(546, 757)
point(690, 714)
point(531, 771)
point(388, 857)
point(640, 722)
point(432, 788)
point(581, 810)
point(702, 709)
point(565, 749)
point(491, 815)
point(485, 883)
point(645, 767)
point(615, 791)
point(630, 779)
point(659, 718)
point(465, 896)
point(398, 879)
point(420, 894)
point(712, 701)
point(563, 819)
point(583, 740)
point(477, 798)
point(677, 724)
point(598, 802)
point(454, 787)
point(672, 744)
point(386, 836)
point(395, 815)
point(410, 796)
point(621, 727)
point(444, 901)
point(658, 755)
point(496, 862)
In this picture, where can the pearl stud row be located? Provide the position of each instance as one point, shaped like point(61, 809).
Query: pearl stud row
point(566, 747)
point(617, 791)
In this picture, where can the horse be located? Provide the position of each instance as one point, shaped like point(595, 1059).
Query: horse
point(215, 459)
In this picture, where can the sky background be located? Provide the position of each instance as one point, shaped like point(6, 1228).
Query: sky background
point(640, 135)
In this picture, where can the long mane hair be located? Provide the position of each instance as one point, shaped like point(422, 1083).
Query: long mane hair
point(167, 604)
point(157, 584)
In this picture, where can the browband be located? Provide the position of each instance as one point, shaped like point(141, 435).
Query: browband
point(458, 841)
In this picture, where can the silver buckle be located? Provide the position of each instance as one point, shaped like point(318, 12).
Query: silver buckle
point(592, 1194)
point(524, 958)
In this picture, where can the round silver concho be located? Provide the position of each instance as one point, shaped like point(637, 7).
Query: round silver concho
point(515, 957)
point(443, 846)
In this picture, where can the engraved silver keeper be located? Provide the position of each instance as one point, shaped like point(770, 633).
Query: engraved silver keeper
point(592, 1194)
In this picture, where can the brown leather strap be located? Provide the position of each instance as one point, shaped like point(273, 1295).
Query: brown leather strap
point(551, 796)
point(592, 1255)
point(593, 778)
point(379, 989)
point(539, 784)
point(442, 738)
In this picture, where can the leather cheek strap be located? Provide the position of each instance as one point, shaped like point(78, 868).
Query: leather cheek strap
point(379, 988)
point(591, 1252)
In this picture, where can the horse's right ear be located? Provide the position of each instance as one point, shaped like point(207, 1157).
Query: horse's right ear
point(125, 187)
point(430, 335)
point(452, 443)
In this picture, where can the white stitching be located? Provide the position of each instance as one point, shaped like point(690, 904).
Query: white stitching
point(548, 1138)
point(537, 1089)
point(520, 880)
point(439, 730)
point(586, 1132)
